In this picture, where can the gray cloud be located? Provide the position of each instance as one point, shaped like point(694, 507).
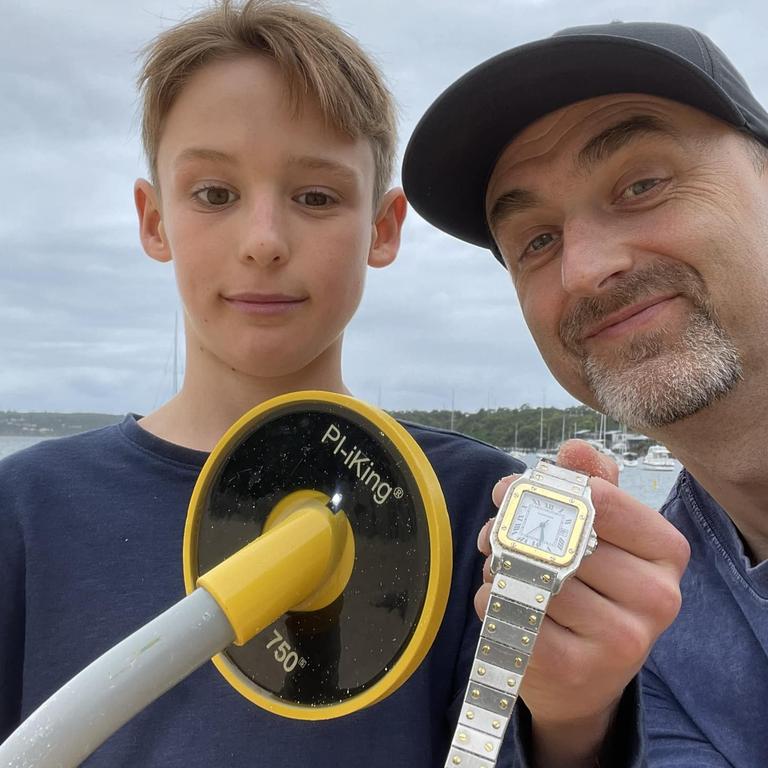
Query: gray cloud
point(87, 319)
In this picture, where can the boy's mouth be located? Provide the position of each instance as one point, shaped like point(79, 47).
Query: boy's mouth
point(264, 303)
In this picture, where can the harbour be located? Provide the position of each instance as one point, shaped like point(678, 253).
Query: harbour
point(651, 486)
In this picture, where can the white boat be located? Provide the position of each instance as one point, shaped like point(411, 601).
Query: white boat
point(629, 458)
point(658, 457)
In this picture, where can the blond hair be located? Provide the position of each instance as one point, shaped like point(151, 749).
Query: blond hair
point(316, 57)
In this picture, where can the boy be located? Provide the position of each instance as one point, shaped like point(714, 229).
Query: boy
point(270, 140)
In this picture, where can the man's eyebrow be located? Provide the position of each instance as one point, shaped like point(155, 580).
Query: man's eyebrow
point(203, 153)
point(613, 138)
point(511, 202)
point(597, 149)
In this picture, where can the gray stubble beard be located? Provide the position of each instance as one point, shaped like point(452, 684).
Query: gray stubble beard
point(656, 379)
point(676, 382)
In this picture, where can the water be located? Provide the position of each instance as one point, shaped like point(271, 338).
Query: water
point(11, 444)
point(651, 486)
point(648, 485)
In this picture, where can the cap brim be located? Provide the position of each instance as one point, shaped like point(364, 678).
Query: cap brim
point(450, 157)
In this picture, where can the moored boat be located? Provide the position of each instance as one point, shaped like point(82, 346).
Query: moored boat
point(658, 457)
point(629, 458)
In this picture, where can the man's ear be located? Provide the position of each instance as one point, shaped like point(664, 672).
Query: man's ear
point(387, 228)
point(151, 230)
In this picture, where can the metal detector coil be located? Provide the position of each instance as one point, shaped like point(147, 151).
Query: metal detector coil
point(362, 634)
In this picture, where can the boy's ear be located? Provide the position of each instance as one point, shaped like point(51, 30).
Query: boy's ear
point(387, 228)
point(151, 229)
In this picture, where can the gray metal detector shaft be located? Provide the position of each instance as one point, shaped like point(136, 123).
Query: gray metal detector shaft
point(81, 715)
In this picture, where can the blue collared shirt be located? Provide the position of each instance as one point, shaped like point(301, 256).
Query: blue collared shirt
point(706, 682)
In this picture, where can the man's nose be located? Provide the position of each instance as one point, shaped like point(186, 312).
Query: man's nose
point(264, 238)
point(594, 256)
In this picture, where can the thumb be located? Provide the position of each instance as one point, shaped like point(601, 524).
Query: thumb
point(582, 457)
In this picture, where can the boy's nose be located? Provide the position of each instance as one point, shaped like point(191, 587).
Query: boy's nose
point(264, 240)
point(593, 258)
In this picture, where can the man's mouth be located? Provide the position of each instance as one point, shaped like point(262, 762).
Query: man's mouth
point(628, 318)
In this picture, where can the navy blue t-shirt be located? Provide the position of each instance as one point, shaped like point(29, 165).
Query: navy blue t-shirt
point(91, 530)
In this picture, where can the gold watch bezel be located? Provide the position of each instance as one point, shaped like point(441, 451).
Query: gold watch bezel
point(510, 510)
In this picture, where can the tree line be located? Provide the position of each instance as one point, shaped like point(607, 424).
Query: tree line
point(526, 427)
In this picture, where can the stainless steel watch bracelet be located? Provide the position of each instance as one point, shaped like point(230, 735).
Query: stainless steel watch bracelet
point(560, 479)
point(519, 597)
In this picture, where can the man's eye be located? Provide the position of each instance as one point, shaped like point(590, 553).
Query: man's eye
point(215, 196)
point(539, 242)
point(315, 199)
point(639, 188)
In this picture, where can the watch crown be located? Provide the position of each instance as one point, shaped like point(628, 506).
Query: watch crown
point(591, 544)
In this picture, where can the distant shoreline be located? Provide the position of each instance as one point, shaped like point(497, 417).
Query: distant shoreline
point(44, 424)
point(528, 428)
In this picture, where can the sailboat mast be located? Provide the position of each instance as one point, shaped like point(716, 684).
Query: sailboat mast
point(541, 428)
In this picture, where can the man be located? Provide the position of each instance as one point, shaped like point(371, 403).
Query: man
point(618, 173)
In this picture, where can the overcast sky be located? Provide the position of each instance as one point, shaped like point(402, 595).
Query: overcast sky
point(88, 320)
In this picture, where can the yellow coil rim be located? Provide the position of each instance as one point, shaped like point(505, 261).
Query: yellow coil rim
point(440, 553)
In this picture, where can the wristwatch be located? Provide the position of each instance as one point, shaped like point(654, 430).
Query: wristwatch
point(543, 530)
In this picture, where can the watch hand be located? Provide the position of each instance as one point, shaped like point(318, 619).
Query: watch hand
point(541, 525)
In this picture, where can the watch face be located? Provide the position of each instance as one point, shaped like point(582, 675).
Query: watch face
point(543, 525)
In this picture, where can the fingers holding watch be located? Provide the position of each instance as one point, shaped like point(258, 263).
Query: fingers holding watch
point(601, 625)
point(481, 599)
point(575, 674)
point(644, 586)
point(620, 519)
point(576, 455)
point(499, 491)
point(635, 527)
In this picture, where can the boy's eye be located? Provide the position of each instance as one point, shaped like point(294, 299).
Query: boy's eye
point(215, 196)
point(315, 199)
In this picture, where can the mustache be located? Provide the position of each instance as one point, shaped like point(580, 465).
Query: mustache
point(657, 278)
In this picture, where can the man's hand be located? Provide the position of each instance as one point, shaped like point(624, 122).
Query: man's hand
point(600, 627)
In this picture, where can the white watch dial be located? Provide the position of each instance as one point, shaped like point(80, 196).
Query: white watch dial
point(543, 523)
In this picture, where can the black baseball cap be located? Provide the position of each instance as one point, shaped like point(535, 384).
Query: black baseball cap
point(453, 151)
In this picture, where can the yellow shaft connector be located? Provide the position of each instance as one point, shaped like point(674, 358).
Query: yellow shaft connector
point(279, 570)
